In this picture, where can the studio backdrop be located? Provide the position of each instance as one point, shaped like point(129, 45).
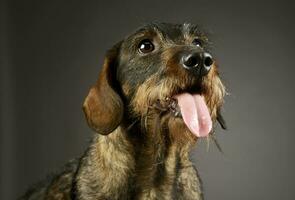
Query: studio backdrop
point(51, 53)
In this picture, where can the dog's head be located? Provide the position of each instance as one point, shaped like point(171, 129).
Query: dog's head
point(163, 70)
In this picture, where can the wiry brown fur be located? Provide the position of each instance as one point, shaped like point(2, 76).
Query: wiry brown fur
point(141, 150)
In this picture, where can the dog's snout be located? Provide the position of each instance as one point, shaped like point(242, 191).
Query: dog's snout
point(197, 62)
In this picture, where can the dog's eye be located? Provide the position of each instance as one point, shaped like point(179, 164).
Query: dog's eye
point(145, 46)
point(197, 42)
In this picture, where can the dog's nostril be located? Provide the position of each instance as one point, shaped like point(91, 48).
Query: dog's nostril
point(191, 61)
point(207, 64)
point(208, 60)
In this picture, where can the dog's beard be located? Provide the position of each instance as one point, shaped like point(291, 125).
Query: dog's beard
point(165, 122)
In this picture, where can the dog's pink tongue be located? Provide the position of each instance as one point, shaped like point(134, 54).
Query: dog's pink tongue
point(195, 113)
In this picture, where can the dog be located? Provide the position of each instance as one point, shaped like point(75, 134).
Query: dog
point(158, 92)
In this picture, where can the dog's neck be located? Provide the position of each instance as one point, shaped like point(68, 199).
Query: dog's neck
point(144, 161)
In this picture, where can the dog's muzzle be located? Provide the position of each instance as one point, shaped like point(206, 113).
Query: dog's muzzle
point(198, 63)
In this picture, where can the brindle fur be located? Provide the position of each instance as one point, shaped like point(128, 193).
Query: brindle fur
point(142, 147)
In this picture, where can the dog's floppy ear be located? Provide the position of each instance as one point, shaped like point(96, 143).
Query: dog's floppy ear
point(103, 107)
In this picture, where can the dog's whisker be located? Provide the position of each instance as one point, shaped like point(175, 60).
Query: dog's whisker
point(159, 106)
point(133, 123)
point(217, 144)
point(208, 143)
point(158, 163)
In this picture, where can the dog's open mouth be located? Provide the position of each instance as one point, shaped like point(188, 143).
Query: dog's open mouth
point(193, 110)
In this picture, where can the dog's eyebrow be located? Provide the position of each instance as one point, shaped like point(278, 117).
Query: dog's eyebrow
point(148, 29)
point(158, 30)
point(138, 33)
point(186, 28)
point(189, 29)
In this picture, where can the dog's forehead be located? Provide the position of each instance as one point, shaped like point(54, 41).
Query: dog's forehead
point(173, 32)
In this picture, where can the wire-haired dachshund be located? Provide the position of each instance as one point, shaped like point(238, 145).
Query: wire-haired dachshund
point(158, 91)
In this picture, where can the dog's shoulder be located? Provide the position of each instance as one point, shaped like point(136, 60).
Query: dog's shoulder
point(58, 183)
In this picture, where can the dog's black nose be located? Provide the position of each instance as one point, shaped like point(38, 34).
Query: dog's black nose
point(199, 62)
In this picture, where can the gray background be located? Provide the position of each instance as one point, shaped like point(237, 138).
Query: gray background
point(51, 52)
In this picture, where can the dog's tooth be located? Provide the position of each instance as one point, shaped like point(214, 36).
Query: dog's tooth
point(177, 114)
point(173, 104)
